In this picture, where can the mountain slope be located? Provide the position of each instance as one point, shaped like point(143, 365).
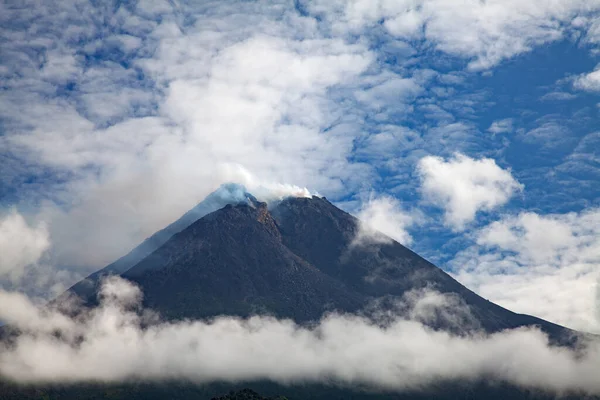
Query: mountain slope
point(226, 194)
point(296, 259)
point(323, 235)
point(233, 261)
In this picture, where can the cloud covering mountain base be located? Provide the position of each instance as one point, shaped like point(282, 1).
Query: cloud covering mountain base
point(119, 341)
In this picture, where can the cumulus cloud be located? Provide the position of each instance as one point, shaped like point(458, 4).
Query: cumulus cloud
point(115, 343)
point(21, 245)
point(383, 219)
point(546, 265)
point(462, 186)
point(589, 82)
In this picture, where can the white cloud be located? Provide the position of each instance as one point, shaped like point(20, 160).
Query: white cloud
point(489, 32)
point(484, 32)
point(462, 186)
point(392, 90)
point(590, 27)
point(549, 135)
point(109, 344)
point(21, 245)
point(589, 82)
point(558, 96)
point(501, 126)
point(227, 99)
point(449, 137)
point(406, 25)
point(383, 214)
point(545, 265)
point(584, 160)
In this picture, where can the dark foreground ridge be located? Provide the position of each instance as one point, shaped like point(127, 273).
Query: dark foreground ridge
point(294, 259)
point(246, 394)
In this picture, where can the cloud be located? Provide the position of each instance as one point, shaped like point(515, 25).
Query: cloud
point(590, 28)
point(381, 220)
point(447, 138)
point(485, 33)
point(546, 265)
point(550, 136)
point(24, 258)
point(109, 344)
point(583, 161)
point(462, 186)
point(589, 82)
point(131, 143)
point(558, 96)
point(388, 92)
point(501, 126)
point(21, 245)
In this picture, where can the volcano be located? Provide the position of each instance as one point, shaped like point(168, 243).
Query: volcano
point(294, 258)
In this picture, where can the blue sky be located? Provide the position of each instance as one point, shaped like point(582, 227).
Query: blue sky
point(466, 130)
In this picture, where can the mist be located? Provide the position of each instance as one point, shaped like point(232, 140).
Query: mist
point(120, 341)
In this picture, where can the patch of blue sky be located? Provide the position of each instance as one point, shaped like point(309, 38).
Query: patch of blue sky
point(523, 113)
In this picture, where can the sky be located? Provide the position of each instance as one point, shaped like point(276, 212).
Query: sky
point(467, 130)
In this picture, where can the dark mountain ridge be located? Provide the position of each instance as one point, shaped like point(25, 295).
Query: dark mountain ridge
point(293, 259)
point(322, 234)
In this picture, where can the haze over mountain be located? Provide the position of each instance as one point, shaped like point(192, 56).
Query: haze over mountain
point(295, 258)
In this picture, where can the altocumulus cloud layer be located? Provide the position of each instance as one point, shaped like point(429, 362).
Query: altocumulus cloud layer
point(108, 344)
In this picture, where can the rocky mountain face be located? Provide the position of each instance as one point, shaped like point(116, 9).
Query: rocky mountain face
point(234, 261)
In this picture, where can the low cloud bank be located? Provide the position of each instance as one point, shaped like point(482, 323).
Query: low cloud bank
point(118, 341)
